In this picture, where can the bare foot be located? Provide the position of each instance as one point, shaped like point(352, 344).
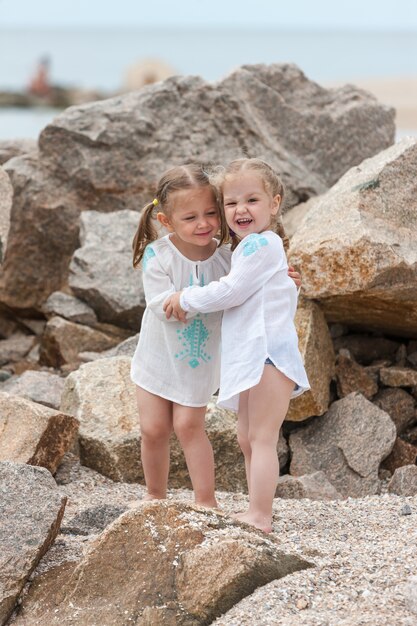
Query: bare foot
point(150, 496)
point(209, 504)
point(262, 522)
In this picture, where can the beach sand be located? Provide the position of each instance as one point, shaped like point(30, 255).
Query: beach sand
point(398, 92)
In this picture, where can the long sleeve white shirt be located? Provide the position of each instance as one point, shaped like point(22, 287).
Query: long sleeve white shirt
point(259, 301)
point(176, 361)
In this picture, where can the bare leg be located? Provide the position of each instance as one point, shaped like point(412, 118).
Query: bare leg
point(243, 437)
point(267, 406)
point(243, 432)
point(189, 426)
point(155, 417)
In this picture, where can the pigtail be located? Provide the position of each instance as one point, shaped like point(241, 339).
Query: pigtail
point(145, 234)
point(235, 240)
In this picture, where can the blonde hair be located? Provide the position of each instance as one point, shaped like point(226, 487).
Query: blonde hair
point(188, 176)
point(272, 183)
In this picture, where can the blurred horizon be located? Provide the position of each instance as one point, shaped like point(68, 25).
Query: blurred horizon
point(94, 45)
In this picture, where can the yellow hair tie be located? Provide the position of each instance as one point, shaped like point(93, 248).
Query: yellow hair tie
point(155, 202)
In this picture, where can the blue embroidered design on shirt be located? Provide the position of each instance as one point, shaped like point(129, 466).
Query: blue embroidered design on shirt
point(147, 255)
point(194, 339)
point(253, 243)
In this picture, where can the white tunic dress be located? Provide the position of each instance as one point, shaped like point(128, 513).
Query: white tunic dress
point(177, 361)
point(259, 300)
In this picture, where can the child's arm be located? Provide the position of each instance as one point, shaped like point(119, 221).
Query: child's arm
point(256, 262)
point(158, 287)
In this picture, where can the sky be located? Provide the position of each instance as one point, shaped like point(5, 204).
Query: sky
point(388, 15)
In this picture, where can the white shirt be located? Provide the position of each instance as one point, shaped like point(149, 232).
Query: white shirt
point(259, 300)
point(177, 361)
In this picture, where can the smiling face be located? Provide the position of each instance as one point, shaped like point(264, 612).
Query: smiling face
point(249, 206)
point(194, 219)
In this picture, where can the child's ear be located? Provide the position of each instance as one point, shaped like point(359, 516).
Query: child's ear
point(276, 203)
point(163, 219)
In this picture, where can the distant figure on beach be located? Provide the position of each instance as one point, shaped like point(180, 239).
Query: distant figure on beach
point(39, 84)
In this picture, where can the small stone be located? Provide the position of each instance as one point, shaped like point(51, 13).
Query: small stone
point(405, 510)
point(301, 604)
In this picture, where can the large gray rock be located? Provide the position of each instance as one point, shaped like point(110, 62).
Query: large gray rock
point(107, 155)
point(314, 486)
point(6, 198)
point(101, 271)
point(42, 387)
point(347, 443)
point(16, 347)
point(357, 246)
point(31, 510)
point(10, 148)
point(164, 563)
point(70, 308)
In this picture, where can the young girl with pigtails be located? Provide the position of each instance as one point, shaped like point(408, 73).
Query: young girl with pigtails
point(261, 366)
point(176, 366)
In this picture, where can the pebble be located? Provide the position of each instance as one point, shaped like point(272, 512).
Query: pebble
point(405, 510)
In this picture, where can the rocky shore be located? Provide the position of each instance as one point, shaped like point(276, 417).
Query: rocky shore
point(77, 545)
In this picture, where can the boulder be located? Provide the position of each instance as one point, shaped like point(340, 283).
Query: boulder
point(357, 246)
point(398, 376)
point(125, 348)
point(353, 377)
point(316, 348)
point(101, 271)
point(15, 348)
point(34, 434)
point(404, 481)
point(171, 563)
point(42, 387)
point(314, 486)
point(107, 155)
point(62, 342)
point(367, 349)
point(10, 148)
point(6, 199)
point(399, 405)
point(70, 308)
point(102, 397)
point(43, 234)
point(403, 453)
point(347, 443)
point(31, 510)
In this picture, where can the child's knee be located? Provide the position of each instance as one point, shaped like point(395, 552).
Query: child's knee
point(156, 432)
point(187, 429)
